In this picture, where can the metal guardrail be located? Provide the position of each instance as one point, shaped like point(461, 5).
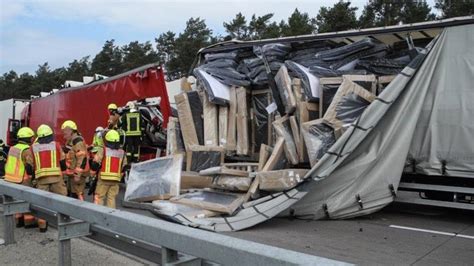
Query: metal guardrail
point(152, 239)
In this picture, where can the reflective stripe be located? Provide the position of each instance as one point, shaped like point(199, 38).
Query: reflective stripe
point(112, 165)
point(46, 160)
point(15, 168)
point(133, 124)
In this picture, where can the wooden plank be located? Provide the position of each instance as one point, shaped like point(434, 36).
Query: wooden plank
point(210, 122)
point(242, 122)
point(223, 123)
point(265, 152)
point(276, 156)
point(232, 121)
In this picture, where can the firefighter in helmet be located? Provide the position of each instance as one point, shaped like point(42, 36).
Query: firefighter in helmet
point(109, 160)
point(114, 116)
point(78, 168)
point(131, 123)
point(20, 169)
point(48, 168)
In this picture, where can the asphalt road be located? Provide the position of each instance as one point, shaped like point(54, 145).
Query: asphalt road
point(399, 234)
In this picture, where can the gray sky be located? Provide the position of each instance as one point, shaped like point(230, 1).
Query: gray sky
point(34, 32)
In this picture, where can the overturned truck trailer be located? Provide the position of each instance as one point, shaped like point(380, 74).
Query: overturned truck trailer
point(414, 109)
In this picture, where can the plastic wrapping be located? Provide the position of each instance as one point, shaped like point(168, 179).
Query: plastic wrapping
point(382, 66)
point(277, 159)
point(346, 50)
point(227, 75)
point(231, 183)
point(281, 180)
point(211, 200)
point(169, 208)
point(224, 63)
point(221, 56)
point(158, 178)
point(374, 52)
point(174, 139)
point(343, 102)
point(283, 82)
point(310, 83)
point(283, 129)
point(189, 109)
point(223, 170)
point(350, 107)
point(318, 138)
point(327, 72)
point(194, 180)
point(217, 91)
point(261, 118)
point(273, 49)
point(202, 157)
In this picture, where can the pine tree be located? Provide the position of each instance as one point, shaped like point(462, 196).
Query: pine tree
point(337, 18)
point(298, 24)
point(237, 28)
point(455, 8)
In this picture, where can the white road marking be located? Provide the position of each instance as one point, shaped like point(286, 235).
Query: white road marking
point(431, 231)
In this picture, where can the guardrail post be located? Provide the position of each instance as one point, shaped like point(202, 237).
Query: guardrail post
point(10, 208)
point(170, 257)
point(64, 244)
point(69, 228)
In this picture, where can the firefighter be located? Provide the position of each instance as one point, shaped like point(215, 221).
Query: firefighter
point(20, 169)
point(3, 157)
point(114, 116)
point(98, 140)
point(132, 125)
point(78, 169)
point(110, 161)
point(48, 168)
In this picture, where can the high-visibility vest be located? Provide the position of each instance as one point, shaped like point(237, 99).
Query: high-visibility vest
point(15, 168)
point(112, 164)
point(46, 159)
point(133, 124)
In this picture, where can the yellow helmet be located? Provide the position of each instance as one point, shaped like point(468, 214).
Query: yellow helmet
point(25, 132)
point(70, 124)
point(112, 136)
point(44, 131)
point(112, 106)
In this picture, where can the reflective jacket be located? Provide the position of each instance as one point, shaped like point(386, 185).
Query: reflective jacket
point(47, 158)
point(15, 168)
point(112, 164)
point(132, 124)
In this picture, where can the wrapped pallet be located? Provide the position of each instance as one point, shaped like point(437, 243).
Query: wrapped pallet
point(203, 157)
point(231, 183)
point(319, 136)
point(283, 82)
point(280, 180)
point(283, 129)
point(329, 86)
point(262, 120)
point(348, 104)
point(159, 178)
point(189, 107)
point(174, 139)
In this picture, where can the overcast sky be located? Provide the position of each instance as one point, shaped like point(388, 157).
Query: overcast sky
point(57, 32)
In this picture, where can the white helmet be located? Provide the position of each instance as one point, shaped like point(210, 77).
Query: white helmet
point(99, 129)
point(132, 107)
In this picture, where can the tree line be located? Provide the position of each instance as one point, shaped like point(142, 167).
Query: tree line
point(177, 51)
